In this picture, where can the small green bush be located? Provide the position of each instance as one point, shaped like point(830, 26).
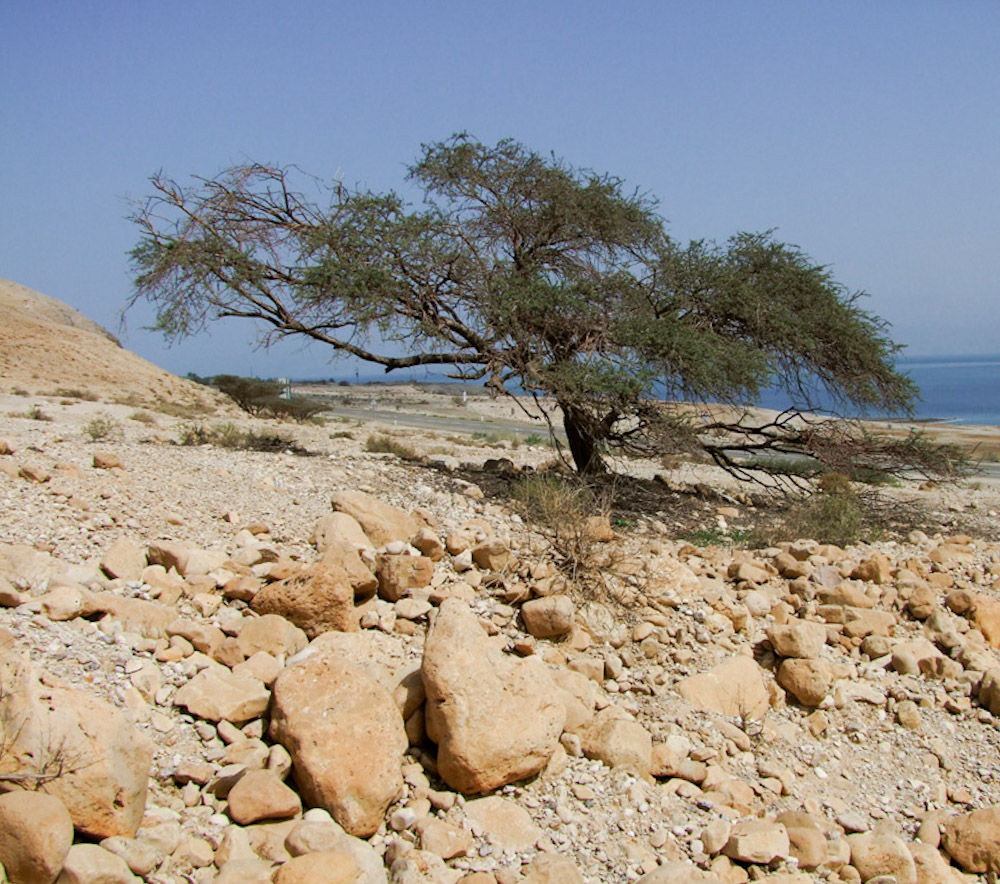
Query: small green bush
point(834, 514)
point(101, 427)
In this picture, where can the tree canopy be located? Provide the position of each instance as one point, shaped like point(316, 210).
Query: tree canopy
point(530, 275)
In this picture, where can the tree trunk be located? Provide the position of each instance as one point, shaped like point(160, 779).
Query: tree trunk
point(582, 444)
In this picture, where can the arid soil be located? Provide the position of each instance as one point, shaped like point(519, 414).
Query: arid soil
point(699, 712)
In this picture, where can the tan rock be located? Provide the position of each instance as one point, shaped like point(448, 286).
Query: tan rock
point(313, 836)
point(260, 795)
point(428, 543)
point(988, 693)
point(217, 694)
point(317, 600)
point(735, 687)
point(91, 864)
point(141, 858)
point(986, 616)
point(972, 840)
point(875, 569)
point(325, 867)
point(398, 574)
point(757, 841)
point(105, 761)
point(341, 530)
point(619, 742)
point(346, 738)
point(548, 617)
point(505, 824)
point(124, 559)
point(381, 522)
point(802, 638)
point(932, 867)
point(245, 871)
point(808, 681)
point(107, 460)
point(36, 833)
point(360, 574)
point(271, 633)
point(551, 868)
point(491, 555)
point(442, 838)
point(875, 853)
point(495, 718)
point(203, 636)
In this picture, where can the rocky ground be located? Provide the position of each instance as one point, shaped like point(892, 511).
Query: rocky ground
point(338, 665)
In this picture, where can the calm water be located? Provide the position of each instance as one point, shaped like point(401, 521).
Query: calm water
point(960, 389)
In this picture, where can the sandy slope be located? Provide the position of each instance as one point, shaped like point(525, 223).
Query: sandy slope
point(46, 345)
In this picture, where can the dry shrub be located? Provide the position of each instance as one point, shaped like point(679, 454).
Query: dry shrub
point(385, 444)
point(560, 507)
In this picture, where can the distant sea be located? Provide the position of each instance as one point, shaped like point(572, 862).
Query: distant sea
point(956, 389)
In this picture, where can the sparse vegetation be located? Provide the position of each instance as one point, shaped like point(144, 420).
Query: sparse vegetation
point(85, 395)
point(228, 435)
point(560, 506)
point(143, 417)
point(835, 514)
point(102, 427)
point(385, 444)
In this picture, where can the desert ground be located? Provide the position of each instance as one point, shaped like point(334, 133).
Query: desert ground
point(376, 648)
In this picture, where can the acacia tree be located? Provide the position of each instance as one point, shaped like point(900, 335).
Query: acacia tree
point(532, 276)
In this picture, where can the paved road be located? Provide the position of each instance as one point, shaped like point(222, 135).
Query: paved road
point(442, 423)
point(472, 425)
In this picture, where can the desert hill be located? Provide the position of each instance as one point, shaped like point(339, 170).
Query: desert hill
point(46, 345)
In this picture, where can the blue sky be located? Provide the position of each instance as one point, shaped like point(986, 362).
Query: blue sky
point(867, 133)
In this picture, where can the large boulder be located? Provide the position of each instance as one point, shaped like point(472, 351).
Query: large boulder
point(381, 522)
point(316, 600)
point(346, 738)
point(972, 840)
point(496, 719)
point(85, 751)
point(36, 833)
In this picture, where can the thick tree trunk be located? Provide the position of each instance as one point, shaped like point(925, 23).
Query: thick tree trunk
point(582, 444)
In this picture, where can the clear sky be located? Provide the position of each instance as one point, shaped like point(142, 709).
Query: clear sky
point(867, 133)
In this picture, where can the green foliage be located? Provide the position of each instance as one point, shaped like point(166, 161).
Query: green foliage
point(834, 515)
point(517, 268)
point(101, 427)
point(259, 397)
point(228, 435)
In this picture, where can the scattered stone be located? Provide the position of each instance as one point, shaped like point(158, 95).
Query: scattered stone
point(36, 833)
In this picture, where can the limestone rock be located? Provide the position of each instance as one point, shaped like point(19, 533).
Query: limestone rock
point(91, 864)
point(217, 694)
point(339, 531)
point(619, 742)
point(495, 719)
point(260, 795)
point(105, 760)
point(107, 460)
point(874, 854)
point(808, 681)
point(548, 617)
point(398, 574)
point(346, 738)
point(972, 840)
point(757, 841)
point(735, 687)
point(506, 825)
point(319, 599)
point(325, 867)
point(802, 638)
point(551, 868)
point(491, 555)
point(36, 833)
point(124, 559)
point(271, 633)
point(381, 522)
